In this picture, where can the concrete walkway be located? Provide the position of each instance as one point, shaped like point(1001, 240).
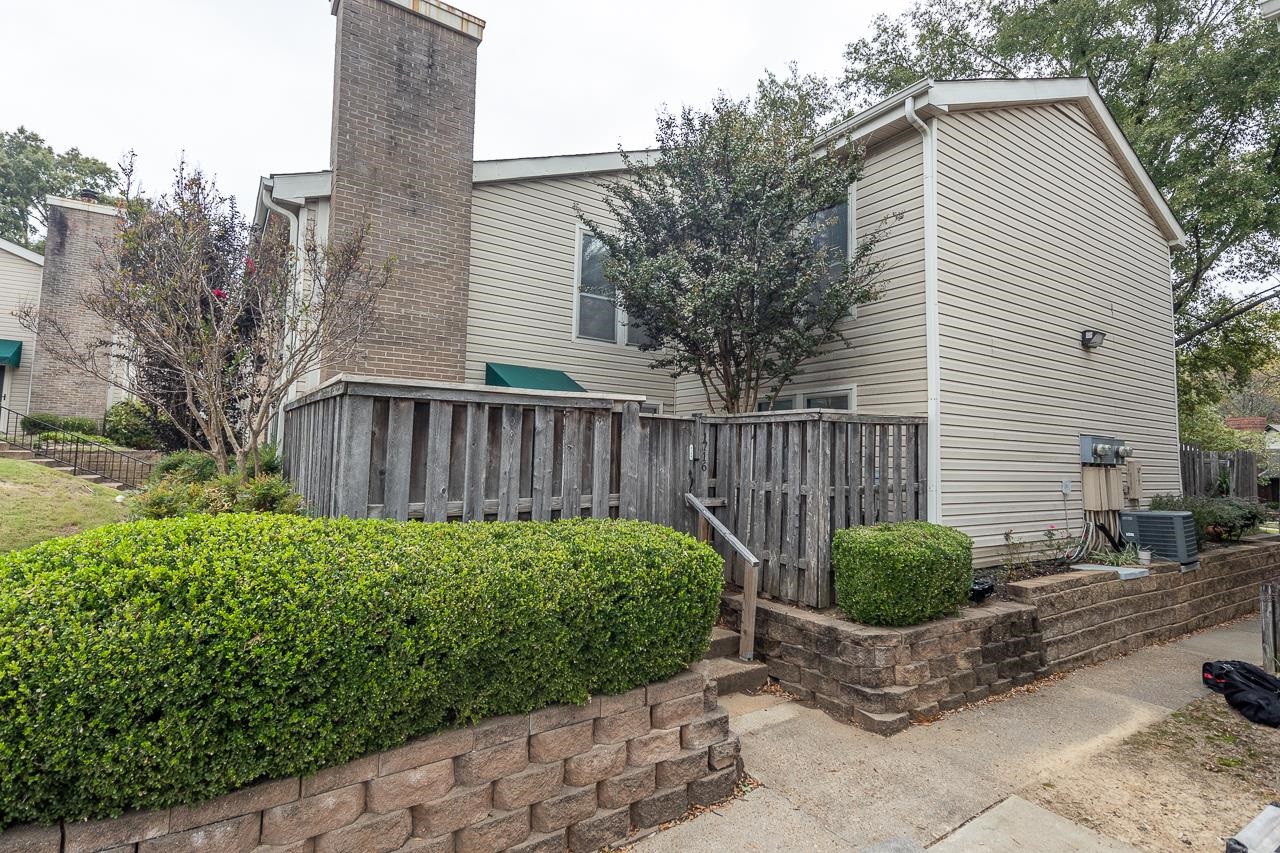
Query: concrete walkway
point(829, 786)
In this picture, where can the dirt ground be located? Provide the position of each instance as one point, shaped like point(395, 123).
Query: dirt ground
point(1187, 783)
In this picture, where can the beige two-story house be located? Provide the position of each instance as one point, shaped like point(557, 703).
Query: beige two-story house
point(1025, 298)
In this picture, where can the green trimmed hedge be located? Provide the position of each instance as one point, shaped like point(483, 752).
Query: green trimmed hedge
point(903, 573)
point(38, 422)
point(153, 663)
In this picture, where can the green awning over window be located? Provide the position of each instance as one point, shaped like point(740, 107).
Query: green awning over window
point(518, 376)
point(10, 353)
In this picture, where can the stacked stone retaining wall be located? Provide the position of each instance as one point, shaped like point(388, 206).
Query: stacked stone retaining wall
point(1086, 617)
point(562, 778)
point(884, 678)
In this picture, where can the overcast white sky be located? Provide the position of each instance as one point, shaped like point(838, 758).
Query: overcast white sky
point(244, 87)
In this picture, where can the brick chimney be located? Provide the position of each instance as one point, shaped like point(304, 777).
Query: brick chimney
point(73, 247)
point(401, 153)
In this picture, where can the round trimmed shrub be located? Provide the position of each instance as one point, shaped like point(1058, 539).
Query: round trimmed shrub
point(130, 423)
point(154, 663)
point(903, 573)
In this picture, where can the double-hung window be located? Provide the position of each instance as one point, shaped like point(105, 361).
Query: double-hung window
point(599, 317)
point(834, 234)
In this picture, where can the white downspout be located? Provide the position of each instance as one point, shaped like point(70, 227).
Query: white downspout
point(295, 236)
point(933, 364)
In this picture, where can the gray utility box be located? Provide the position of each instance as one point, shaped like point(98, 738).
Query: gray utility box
point(1171, 535)
point(1103, 450)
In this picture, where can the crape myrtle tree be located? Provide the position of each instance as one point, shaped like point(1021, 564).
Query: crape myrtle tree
point(721, 252)
point(220, 318)
point(1194, 85)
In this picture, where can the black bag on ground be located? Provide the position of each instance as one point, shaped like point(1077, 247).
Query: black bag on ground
point(1249, 689)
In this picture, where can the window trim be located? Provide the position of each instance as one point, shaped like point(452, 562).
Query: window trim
point(798, 398)
point(850, 390)
point(619, 313)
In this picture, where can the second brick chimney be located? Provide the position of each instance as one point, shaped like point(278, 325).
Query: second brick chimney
point(401, 153)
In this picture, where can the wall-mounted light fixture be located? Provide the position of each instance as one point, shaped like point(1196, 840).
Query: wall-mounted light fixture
point(1092, 338)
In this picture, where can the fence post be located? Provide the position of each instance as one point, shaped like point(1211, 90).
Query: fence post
point(629, 462)
point(1270, 612)
point(356, 434)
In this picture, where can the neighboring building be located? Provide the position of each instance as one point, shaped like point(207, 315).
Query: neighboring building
point(1026, 221)
point(31, 380)
point(20, 272)
point(1268, 479)
point(1270, 9)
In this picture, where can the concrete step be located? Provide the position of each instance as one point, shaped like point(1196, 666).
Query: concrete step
point(724, 643)
point(91, 478)
point(16, 454)
point(732, 675)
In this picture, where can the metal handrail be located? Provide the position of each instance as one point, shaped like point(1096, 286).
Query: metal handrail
point(707, 522)
point(82, 455)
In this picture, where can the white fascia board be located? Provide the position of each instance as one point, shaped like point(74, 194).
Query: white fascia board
point(1270, 10)
point(293, 189)
point(1136, 172)
point(21, 252)
point(996, 93)
point(522, 168)
point(300, 186)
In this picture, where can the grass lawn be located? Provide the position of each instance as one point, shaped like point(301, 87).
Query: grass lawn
point(37, 503)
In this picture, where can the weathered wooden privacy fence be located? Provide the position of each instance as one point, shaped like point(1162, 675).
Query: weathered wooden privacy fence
point(1211, 472)
point(782, 482)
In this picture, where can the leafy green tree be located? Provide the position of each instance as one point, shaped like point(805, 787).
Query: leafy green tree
point(30, 171)
point(725, 252)
point(1194, 84)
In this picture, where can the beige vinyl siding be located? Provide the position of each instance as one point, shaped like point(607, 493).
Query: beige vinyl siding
point(19, 286)
point(885, 354)
point(521, 304)
point(1040, 237)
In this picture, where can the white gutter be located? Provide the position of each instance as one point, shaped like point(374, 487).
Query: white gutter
point(933, 365)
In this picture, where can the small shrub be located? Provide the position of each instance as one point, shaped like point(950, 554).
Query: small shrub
point(41, 422)
point(1216, 519)
point(269, 460)
point(66, 437)
point(186, 466)
point(130, 423)
point(174, 496)
point(1109, 557)
point(154, 663)
point(903, 573)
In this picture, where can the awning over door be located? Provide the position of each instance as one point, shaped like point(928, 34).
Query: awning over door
point(518, 376)
point(10, 353)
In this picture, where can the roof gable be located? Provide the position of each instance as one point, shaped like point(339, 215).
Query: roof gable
point(21, 252)
point(939, 97)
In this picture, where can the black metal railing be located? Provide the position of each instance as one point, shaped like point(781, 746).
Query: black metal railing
point(82, 454)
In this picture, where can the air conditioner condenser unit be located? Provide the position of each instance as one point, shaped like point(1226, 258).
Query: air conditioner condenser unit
point(1171, 535)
